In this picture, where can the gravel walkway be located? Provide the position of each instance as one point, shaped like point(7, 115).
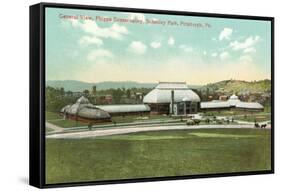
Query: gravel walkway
point(117, 131)
point(54, 127)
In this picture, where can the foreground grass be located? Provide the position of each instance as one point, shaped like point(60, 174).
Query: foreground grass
point(157, 154)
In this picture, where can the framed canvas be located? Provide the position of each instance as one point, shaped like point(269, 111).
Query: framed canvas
point(123, 95)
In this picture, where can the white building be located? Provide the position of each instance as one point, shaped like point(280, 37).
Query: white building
point(172, 98)
point(83, 110)
point(125, 109)
point(232, 103)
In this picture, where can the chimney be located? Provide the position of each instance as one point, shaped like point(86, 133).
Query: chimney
point(172, 101)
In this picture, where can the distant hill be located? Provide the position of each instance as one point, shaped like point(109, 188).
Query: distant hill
point(70, 85)
point(125, 84)
point(79, 86)
point(238, 86)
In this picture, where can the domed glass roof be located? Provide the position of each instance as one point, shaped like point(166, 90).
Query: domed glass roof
point(162, 93)
point(186, 99)
point(82, 100)
point(233, 97)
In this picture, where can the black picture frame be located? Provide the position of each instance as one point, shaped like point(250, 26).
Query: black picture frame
point(37, 93)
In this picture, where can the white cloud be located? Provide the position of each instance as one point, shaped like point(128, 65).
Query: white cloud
point(155, 44)
point(186, 48)
point(204, 53)
point(193, 71)
point(115, 31)
point(137, 47)
point(246, 58)
point(225, 34)
point(249, 42)
point(214, 39)
point(99, 53)
point(250, 50)
point(119, 29)
point(74, 22)
point(87, 40)
point(214, 54)
point(171, 41)
point(224, 55)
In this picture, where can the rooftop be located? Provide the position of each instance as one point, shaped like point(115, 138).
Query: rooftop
point(171, 85)
point(233, 101)
point(82, 100)
point(162, 93)
point(124, 108)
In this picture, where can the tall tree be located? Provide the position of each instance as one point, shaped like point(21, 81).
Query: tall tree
point(94, 90)
point(117, 95)
point(128, 93)
point(86, 92)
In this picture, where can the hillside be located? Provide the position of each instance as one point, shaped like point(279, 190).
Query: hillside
point(79, 86)
point(228, 86)
point(238, 86)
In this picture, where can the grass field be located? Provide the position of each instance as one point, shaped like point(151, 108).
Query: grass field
point(156, 154)
point(68, 123)
point(52, 116)
point(253, 118)
point(242, 116)
point(49, 129)
point(58, 120)
point(233, 113)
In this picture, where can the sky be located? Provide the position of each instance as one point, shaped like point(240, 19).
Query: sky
point(96, 46)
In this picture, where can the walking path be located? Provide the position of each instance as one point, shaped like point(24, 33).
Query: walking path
point(55, 128)
point(116, 131)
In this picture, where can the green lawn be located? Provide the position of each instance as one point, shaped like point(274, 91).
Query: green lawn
point(52, 116)
point(68, 123)
point(241, 115)
point(156, 154)
point(49, 129)
point(252, 118)
point(267, 109)
point(58, 120)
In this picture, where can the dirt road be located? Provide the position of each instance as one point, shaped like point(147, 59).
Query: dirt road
point(55, 128)
point(116, 131)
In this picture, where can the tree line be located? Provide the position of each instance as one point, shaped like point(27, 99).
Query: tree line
point(57, 98)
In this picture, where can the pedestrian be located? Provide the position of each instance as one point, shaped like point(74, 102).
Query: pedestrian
point(90, 126)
